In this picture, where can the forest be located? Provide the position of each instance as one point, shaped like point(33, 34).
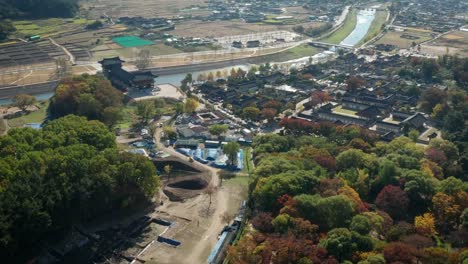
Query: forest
point(65, 174)
point(348, 198)
point(326, 193)
point(14, 9)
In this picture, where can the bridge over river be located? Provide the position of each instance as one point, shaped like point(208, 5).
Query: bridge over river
point(329, 45)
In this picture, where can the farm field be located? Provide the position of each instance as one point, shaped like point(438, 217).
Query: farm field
point(48, 27)
point(145, 8)
point(398, 38)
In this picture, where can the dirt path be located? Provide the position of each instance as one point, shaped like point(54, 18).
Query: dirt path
point(207, 227)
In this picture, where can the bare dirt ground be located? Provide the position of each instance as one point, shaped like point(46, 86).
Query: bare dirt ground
point(213, 29)
point(199, 222)
point(454, 43)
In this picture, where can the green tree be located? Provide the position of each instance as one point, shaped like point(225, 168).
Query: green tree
point(145, 110)
point(360, 224)
point(218, 129)
point(89, 96)
point(6, 28)
point(191, 105)
point(413, 135)
point(251, 113)
point(339, 243)
point(23, 101)
point(231, 149)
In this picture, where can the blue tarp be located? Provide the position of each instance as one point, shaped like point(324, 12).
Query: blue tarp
point(212, 153)
point(169, 241)
point(217, 247)
point(185, 151)
point(240, 159)
point(34, 125)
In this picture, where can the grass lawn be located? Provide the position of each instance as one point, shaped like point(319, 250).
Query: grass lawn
point(394, 38)
point(376, 27)
point(35, 117)
point(341, 110)
point(2, 126)
point(242, 181)
point(345, 30)
point(129, 117)
point(248, 163)
point(294, 53)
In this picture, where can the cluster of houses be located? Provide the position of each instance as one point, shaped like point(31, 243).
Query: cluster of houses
point(379, 105)
point(196, 141)
point(147, 23)
point(366, 109)
point(254, 92)
point(193, 129)
point(434, 15)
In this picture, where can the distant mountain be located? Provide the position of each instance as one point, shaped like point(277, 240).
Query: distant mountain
point(37, 8)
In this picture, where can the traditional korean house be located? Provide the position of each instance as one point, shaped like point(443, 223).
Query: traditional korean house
point(122, 79)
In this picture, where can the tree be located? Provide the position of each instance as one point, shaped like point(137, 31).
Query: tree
point(169, 132)
point(360, 224)
point(397, 252)
point(218, 129)
point(111, 115)
point(6, 28)
point(95, 25)
point(319, 97)
point(339, 243)
point(425, 224)
point(145, 110)
point(210, 190)
point(251, 113)
point(262, 222)
point(77, 159)
point(231, 149)
point(413, 135)
point(211, 76)
point(328, 212)
point(430, 98)
point(143, 60)
point(168, 170)
point(191, 105)
point(62, 68)
point(89, 96)
point(446, 211)
point(269, 113)
point(353, 83)
point(393, 200)
point(23, 101)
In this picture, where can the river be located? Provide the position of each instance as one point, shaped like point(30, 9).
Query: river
point(173, 79)
point(364, 22)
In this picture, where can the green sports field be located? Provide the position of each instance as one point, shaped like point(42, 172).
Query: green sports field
point(131, 41)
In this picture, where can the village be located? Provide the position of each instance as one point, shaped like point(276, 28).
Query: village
point(194, 102)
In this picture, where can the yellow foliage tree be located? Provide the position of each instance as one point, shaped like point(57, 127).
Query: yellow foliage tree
point(446, 210)
point(425, 224)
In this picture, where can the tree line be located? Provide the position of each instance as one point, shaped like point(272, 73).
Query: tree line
point(68, 173)
point(349, 198)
